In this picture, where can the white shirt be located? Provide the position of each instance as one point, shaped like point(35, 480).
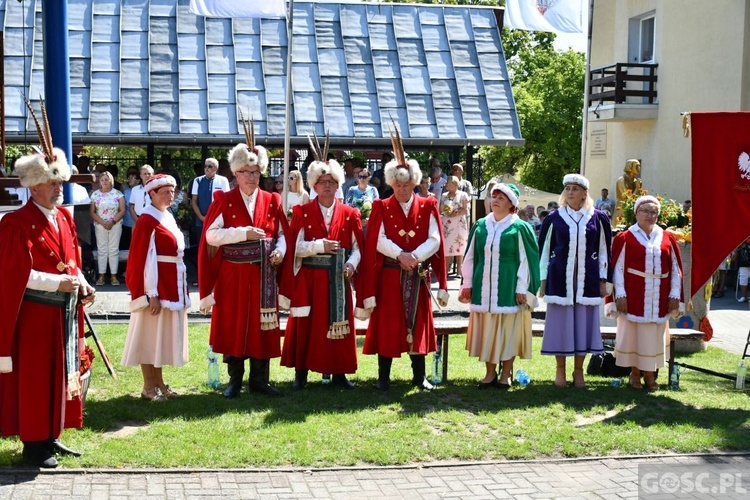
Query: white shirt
point(219, 183)
point(139, 199)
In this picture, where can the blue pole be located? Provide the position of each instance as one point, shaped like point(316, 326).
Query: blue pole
point(57, 79)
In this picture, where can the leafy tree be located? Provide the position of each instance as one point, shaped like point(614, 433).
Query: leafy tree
point(548, 90)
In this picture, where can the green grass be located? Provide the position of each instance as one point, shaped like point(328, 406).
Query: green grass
point(324, 426)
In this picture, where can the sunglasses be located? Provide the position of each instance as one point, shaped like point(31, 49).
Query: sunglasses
point(362, 177)
point(279, 182)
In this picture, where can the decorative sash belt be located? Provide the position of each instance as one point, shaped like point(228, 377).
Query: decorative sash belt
point(338, 312)
point(67, 302)
point(258, 252)
point(410, 291)
point(646, 275)
point(168, 258)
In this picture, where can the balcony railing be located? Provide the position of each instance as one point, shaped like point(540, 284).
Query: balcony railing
point(623, 83)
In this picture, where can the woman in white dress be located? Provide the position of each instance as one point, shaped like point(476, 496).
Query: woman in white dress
point(157, 333)
point(297, 194)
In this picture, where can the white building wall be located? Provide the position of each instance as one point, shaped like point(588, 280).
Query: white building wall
point(703, 66)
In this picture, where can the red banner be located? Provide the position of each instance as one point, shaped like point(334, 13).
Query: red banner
point(720, 189)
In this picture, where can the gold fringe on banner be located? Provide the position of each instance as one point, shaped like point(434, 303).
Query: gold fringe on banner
point(686, 124)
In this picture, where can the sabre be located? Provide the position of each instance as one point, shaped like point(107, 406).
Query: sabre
point(102, 351)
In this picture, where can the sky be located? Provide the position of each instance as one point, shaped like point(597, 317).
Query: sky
point(577, 41)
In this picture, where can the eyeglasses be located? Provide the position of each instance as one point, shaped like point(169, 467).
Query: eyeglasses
point(248, 173)
point(650, 213)
point(327, 182)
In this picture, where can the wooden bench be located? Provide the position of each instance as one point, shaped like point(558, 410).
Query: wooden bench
point(444, 328)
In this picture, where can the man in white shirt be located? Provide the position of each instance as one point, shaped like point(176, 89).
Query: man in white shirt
point(139, 199)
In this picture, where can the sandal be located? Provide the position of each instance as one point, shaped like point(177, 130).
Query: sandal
point(115, 281)
point(154, 395)
point(100, 281)
point(578, 378)
point(650, 382)
point(635, 383)
point(169, 393)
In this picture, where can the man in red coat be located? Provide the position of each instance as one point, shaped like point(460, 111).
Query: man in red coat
point(40, 338)
point(326, 236)
point(404, 241)
point(242, 242)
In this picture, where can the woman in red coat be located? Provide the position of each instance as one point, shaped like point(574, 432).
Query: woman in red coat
point(157, 334)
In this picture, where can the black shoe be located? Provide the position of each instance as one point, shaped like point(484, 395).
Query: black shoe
point(300, 380)
point(503, 387)
point(423, 385)
point(39, 453)
point(58, 447)
point(265, 388)
point(382, 385)
point(343, 382)
point(233, 390)
point(486, 385)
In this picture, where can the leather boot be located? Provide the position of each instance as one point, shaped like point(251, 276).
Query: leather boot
point(340, 380)
point(300, 380)
point(40, 454)
point(259, 378)
point(236, 370)
point(418, 371)
point(384, 373)
point(57, 447)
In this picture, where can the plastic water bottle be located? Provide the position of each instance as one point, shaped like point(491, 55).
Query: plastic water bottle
point(615, 382)
point(674, 378)
point(437, 362)
point(522, 377)
point(213, 369)
point(741, 372)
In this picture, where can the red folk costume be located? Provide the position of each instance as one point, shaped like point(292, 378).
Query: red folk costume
point(644, 272)
point(234, 289)
point(39, 396)
point(168, 248)
point(387, 331)
point(309, 343)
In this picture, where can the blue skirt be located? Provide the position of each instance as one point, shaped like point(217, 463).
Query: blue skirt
point(571, 330)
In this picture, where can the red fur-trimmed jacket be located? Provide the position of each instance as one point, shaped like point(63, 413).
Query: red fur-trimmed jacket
point(155, 262)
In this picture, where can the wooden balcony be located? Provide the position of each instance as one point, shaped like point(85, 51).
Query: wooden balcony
point(623, 91)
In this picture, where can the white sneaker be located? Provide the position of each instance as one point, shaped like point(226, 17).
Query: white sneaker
point(741, 299)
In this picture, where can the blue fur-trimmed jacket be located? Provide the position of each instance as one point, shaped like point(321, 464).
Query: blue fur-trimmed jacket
point(580, 250)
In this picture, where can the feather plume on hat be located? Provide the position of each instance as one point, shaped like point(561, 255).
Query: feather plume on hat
point(322, 166)
point(48, 163)
point(248, 153)
point(400, 169)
